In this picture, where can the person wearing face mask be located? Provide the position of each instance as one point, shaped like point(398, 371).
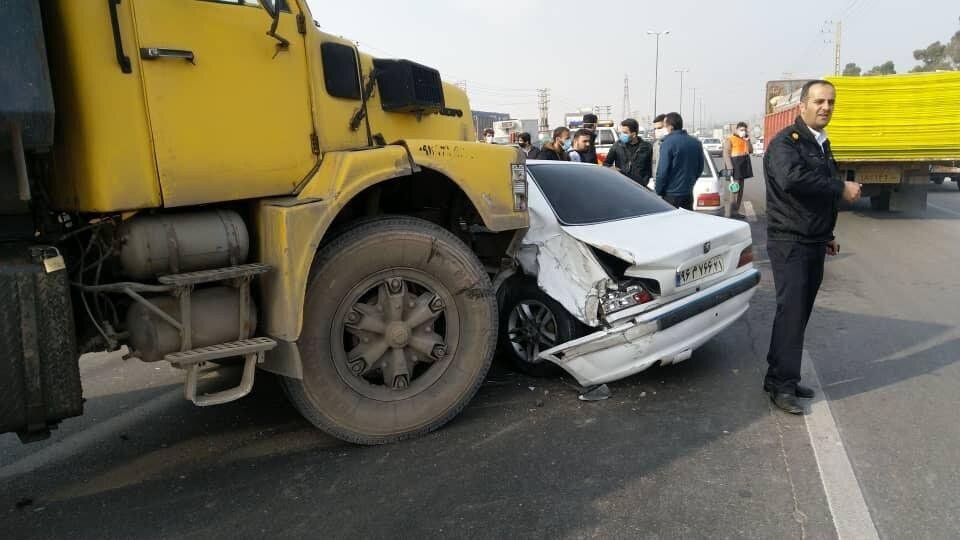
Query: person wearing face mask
point(658, 134)
point(488, 136)
point(557, 148)
point(631, 155)
point(737, 150)
point(529, 150)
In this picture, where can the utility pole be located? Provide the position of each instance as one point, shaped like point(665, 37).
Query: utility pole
point(681, 72)
point(626, 97)
point(694, 119)
point(543, 103)
point(656, 69)
point(836, 50)
point(837, 26)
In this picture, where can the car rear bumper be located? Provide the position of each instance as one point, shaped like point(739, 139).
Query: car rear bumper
point(668, 334)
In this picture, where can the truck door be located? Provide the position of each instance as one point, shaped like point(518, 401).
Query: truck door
point(229, 110)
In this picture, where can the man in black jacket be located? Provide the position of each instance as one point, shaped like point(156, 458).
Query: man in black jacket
point(590, 154)
point(803, 193)
point(631, 155)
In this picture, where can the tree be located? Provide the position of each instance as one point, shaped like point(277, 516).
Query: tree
point(886, 68)
point(932, 58)
point(852, 69)
point(953, 50)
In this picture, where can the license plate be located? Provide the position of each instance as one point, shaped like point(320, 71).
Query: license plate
point(878, 175)
point(696, 272)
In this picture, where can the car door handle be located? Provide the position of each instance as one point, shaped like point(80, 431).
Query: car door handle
point(155, 53)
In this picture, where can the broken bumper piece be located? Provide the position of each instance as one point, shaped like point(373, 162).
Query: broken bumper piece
point(668, 334)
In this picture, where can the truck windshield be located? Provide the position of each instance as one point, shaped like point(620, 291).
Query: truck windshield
point(588, 194)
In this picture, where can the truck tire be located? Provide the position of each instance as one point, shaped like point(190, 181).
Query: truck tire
point(399, 329)
point(531, 322)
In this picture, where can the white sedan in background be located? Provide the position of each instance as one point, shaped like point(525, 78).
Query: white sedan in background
point(611, 280)
point(710, 192)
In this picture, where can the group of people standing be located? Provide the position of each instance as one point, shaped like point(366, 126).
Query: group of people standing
point(675, 156)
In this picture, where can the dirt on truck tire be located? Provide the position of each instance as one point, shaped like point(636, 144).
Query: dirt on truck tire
point(399, 329)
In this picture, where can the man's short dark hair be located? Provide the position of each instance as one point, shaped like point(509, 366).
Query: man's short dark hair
point(673, 120)
point(583, 132)
point(810, 84)
point(525, 137)
point(741, 125)
point(659, 118)
point(589, 119)
point(488, 131)
point(631, 124)
point(558, 132)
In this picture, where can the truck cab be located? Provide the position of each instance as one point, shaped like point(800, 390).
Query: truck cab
point(209, 180)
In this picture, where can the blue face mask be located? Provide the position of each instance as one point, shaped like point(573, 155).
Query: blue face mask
point(567, 144)
point(624, 138)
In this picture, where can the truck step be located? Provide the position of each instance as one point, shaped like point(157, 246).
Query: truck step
point(217, 274)
point(220, 351)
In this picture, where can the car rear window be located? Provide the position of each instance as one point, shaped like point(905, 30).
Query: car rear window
point(588, 194)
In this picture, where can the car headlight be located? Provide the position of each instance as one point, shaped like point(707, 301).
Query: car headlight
point(518, 179)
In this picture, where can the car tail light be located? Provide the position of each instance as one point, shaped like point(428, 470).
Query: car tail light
point(746, 256)
point(601, 158)
point(625, 297)
point(708, 199)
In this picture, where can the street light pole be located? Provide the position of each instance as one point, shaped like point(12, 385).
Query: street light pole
point(681, 72)
point(656, 69)
point(694, 119)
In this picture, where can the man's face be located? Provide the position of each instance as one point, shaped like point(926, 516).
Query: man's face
point(817, 110)
point(581, 143)
point(657, 125)
point(626, 131)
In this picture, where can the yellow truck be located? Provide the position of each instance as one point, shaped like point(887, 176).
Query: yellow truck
point(217, 182)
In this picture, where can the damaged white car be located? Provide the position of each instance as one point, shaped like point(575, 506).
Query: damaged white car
point(611, 280)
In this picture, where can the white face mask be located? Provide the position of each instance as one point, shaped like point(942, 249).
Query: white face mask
point(489, 139)
point(660, 133)
point(743, 133)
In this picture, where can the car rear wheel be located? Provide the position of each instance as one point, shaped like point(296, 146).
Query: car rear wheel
point(399, 329)
point(530, 323)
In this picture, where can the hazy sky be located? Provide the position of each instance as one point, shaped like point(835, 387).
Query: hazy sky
point(505, 49)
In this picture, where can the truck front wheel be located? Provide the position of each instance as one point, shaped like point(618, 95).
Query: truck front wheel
point(399, 329)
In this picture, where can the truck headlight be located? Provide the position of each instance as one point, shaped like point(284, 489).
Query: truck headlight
point(518, 179)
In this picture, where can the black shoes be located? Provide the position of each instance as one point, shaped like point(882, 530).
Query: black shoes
point(802, 391)
point(805, 392)
point(787, 402)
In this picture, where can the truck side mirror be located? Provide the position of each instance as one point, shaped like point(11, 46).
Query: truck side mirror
point(271, 8)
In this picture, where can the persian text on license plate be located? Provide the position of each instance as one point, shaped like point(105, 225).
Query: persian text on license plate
point(713, 265)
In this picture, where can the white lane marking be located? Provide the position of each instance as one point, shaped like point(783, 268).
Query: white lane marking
point(942, 209)
point(749, 211)
point(851, 518)
point(76, 443)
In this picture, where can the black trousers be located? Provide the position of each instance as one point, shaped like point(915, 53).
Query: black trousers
point(797, 274)
point(680, 201)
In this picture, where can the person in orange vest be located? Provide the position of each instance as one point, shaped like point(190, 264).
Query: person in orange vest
point(737, 150)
